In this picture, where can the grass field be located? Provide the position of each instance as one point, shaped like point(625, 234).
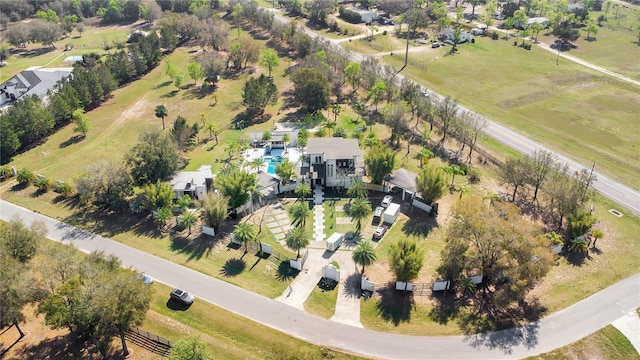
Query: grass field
point(608, 343)
point(584, 114)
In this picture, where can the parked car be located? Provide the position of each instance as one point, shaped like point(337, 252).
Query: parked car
point(146, 279)
point(380, 231)
point(386, 201)
point(377, 215)
point(182, 296)
point(435, 45)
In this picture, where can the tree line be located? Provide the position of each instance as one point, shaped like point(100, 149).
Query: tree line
point(91, 296)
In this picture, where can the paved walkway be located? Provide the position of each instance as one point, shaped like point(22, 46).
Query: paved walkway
point(556, 330)
point(278, 221)
point(348, 300)
point(629, 325)
point(318, 214)
point(302, 286)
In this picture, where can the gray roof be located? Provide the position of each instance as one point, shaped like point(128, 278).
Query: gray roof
point(335, 148)
point(38, 81)
point(266, 180)
point(404, 179)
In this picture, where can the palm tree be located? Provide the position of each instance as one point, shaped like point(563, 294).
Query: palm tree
point(359, 107)
point(360, 209)
point(335, 109)
point(424, 155)
point(184, 202)
point(161, 112)
point(303, 190)
point(285, 170)
point(330, 125)
point(297, 239)
point(597, 234)
point(493, 198)
point(161, 216)
point(213, 130)
point(463, 189)
point(357, 189)
point(188, 220)
point(364, 254)
point(244, 233)
point(299, 213)
point(203, 118)
point(453, 170)
point(256, 164)
point(579, 245)
point(42, 183)
point(285, 139)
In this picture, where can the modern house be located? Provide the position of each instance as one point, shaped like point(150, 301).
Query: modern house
point(333, 162)
point(192, 183)
point(276, 138)
point(33, 81)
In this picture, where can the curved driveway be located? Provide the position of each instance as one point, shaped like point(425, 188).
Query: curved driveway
point(554, 331)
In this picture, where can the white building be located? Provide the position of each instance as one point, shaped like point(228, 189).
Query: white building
point(332, 162)
point(33, 81)
point(192, 183)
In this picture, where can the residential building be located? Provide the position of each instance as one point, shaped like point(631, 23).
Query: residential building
point(192, 183)
point(332, 162)
point(32, 81)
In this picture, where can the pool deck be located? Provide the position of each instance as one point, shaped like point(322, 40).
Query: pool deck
point(292, 153)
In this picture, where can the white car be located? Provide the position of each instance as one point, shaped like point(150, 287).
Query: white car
point(146, 279)
point(386, 201)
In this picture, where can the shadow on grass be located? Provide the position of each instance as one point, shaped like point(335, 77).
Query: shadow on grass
point(166, 83)
point(65, 347)
point(72, 140)
point(446, 308)
point(109, 224)
point(195, 248)
point(176, 305)
point(19, 187)
point(170, 94)
point(327, 284)
point(395, 306)
point(520, 324)
point(233, 267)
point(286, 272)
point(417, 226)
point(577, 258)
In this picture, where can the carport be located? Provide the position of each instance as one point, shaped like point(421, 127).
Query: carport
point(403, 179)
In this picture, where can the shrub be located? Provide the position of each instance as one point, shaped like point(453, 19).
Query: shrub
point(494, 36)
point(5, 172)
point(384, 32)
point(350, 16)
point(25, 176)
point(42, 183)
point(340, 132)
point(474, 175)
point(63, 188)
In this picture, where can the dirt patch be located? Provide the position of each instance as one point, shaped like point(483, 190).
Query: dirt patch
point(45, 343)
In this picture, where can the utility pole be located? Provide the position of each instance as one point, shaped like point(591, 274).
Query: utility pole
point(586, 186)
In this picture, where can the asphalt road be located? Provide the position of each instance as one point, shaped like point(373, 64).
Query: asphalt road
point(612, 189)
point(554, 331)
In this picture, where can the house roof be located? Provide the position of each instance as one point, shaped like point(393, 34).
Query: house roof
point(266, 182)
point(183, 180)
point(335, 148)
point(404, 179)
point(36, 81)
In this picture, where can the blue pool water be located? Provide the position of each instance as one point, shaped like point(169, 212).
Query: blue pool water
point(271, 163)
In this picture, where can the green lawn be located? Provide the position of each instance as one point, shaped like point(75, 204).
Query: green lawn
point(548, 103)
point(322, 301)
point(608, 343)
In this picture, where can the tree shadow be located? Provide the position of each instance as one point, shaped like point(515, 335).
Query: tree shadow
point(72, 140)
point(520, 324)
point(65, 347)
point(446, 308)
point(576, 258)
point(418, 226)
point(19, 187)
point(196, 248)
point(351, 286)
point(170, 94)
point(286, 272)
point(395, 306)
point(163, 84)
point(108, 223)
point(233, 267)
point(327, 284)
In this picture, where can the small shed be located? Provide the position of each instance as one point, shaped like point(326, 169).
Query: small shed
point(403, 179)
point(334, 241)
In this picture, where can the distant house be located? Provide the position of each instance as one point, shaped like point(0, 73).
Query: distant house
point(367, 16)
point(276, 140)
point(192, 183)
point(446, 36)
point(539, 20)
point(33, 81)
point(332, 161)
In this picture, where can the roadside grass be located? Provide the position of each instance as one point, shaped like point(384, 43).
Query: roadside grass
point(608, 343)
point(603, 109)
point(605, 49)
point(229, 336)
point(322, 301)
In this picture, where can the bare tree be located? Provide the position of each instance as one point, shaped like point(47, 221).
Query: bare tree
point(542, 162)
point(446, 110)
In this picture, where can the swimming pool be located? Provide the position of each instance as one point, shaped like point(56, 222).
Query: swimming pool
point(271, 162)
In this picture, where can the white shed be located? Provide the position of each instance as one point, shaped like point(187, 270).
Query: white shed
point(334, 241)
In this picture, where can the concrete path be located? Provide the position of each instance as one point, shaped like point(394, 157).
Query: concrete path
point(556, 330)
point(318, 214)
point(629, 325)
point(348, 300)
point(302, 286)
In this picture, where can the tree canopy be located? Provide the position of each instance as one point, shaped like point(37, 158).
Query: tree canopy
point(154, 158)
point(234, 183)
point(311, 89)
point(380, 161)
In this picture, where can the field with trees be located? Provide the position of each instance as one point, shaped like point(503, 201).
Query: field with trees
point(207, 76)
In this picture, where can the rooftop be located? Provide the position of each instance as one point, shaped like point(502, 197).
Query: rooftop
point(404, 179)
point(335, 148)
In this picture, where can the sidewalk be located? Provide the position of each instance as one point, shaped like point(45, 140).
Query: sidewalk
point(629, 326)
